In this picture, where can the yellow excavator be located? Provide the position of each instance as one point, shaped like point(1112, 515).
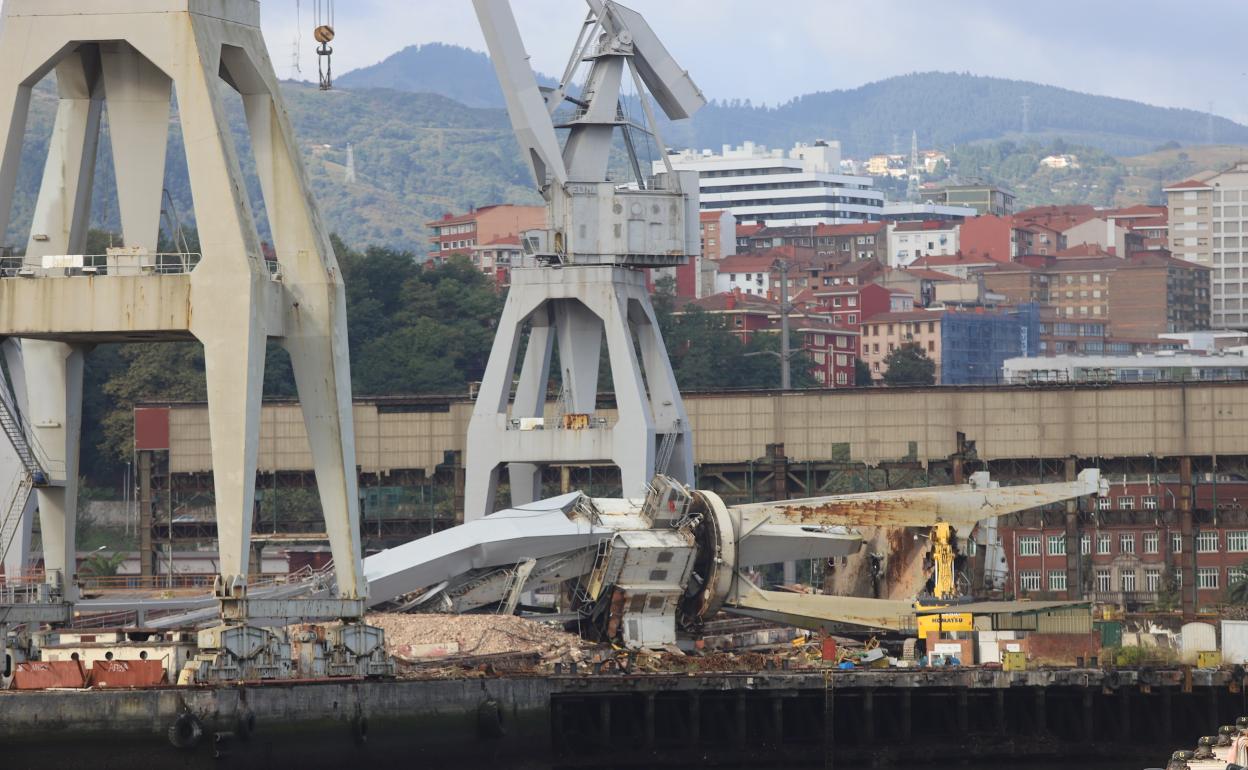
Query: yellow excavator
point(943, 585)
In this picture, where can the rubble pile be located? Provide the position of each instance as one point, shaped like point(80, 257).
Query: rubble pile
point(428, 637)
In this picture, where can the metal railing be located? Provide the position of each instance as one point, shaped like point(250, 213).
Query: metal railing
point(163, 263)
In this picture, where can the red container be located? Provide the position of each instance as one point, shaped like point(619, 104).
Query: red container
point(128, 673)
point(43, 674)
point(829, 648)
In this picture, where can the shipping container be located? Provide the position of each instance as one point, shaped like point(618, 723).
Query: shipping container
point(128, 673)
point(43, 674)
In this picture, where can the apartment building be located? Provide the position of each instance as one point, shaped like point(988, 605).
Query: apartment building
point(907, 241)
point(841, 243)
point(803, 186)
point(1208, 225)
point(459, 233)
point(968, 347)
point(984, 198)
point(1136, 298)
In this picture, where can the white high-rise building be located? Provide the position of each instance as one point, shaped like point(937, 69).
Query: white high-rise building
point(1208, 221)
point(771, 187)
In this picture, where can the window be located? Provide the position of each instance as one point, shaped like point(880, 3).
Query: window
point(1207, 542)
point(1152, 579)
point(1176, 543)
point(1237, 542)
point(1085, 545)
point(1029, 580)
point(1235, 575)
point(1126, 581)
point(1102, 544)
point(852, 318)
point(1126, 503)
point(1102, 579)
point(1029, 545)
point(1104, 503)
point(1151, 542)
point(1126, 542)
point(842, 378)
point(1150, 502)
point(1057, 580)
point(1207, 577)
point(1057, 545)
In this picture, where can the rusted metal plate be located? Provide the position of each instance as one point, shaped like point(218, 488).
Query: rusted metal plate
point(128, 673)
point(41, 675)
point(961, 505)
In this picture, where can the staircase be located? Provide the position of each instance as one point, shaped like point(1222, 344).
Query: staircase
point(515, 587)
point(664, 458)
point(15, 430)
point(13, 507)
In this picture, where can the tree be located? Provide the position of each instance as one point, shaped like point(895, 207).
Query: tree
point(99, 565)
point(1237, 590)
point(909, 365)
point(862, 373)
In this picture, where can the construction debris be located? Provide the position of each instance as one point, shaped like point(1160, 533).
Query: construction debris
point(423, 637)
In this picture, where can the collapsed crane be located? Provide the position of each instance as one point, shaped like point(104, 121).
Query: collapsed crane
point(640, 571)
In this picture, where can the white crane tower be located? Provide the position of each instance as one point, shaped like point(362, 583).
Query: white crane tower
point(133, 57)
point(582, 279)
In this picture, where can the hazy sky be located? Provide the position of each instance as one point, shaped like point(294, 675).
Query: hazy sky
point(1164, 53)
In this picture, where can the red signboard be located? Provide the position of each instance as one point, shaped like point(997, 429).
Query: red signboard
point(151, 427)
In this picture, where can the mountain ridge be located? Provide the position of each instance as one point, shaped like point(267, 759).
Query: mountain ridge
point(945, 108)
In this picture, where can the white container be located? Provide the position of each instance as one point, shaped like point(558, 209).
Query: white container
point(1197, 638)
point(1235, 641)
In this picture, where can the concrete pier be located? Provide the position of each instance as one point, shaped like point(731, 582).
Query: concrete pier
point(761, 719)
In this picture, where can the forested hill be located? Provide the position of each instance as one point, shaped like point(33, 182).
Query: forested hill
point(462, 74)
point(944, 108)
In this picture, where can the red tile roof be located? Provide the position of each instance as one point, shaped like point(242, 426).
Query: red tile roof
point(925, 224)
point(925, 274)
point(736, 302)
point(909, 315)
point(710, 216)
point(1084, 250)
point(744, 231)
point(1190, 184)
point(941, 260)
point(747, 263)
point(864, 228)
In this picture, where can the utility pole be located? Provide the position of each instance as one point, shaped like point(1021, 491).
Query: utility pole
point(784, 324)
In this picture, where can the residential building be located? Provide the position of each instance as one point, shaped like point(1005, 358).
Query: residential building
point(747, 273)
point(457, 234)
point(834, 349)
point(886, 332)
point(1137, 298)
point(496, 258)
point(849, 304)
point(839, 243)
point(859, 272)
point(907, 241)
point(959, 265)
point(1001, 238)
point(1208, 224)
point(984, 198)
point(967, 347)
point(916, 282)
point(744, 314)
point(719, 231)
point(801, 187)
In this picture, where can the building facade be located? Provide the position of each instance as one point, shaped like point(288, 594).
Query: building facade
point(458, 233)
point(1208, 224)
point(907, 241)
point(771, 187)
point(984, 198)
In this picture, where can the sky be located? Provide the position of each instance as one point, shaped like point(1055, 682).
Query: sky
point(1163, 53)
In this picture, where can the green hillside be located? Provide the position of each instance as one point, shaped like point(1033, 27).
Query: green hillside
point(945, 108)
point(417, 156)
